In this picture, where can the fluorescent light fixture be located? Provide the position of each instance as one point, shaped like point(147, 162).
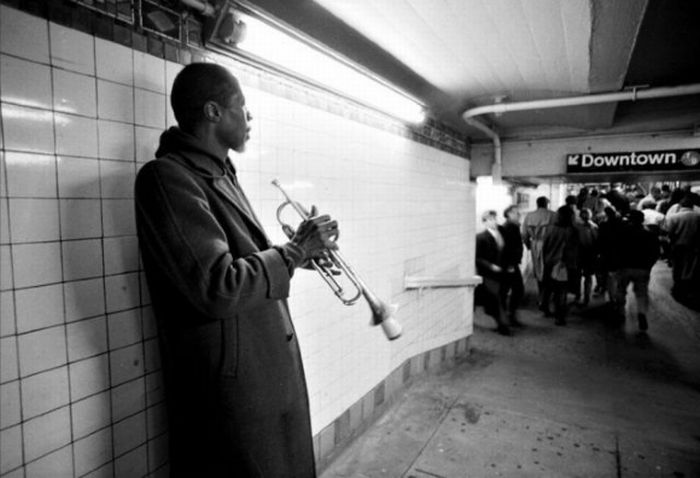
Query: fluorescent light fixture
point(273, 45)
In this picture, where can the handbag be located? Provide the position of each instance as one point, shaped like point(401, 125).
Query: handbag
point(559, 272)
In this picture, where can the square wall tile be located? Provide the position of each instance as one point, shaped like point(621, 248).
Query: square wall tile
point(118, 217)
point(84, 298)
point(10, 445)
point(58, 463)
point(93, 451)
point(147, 140)
point(25, 83)
point(155, 389)
point(171, 71)
point(149, 72)
point(115, 102)
point(76, 136)
point(116, 140)
point(122, 292)
point(89, 376)
point(8, 359)
point(128, 399)
point(91, 414)
point(7, 313)
point(4, 221)
point(134, 463)
point(74, 93)
point(42, 350)
point(80, 218)
point(39, 307)
point(129, 433)
point(34, 220)
point(72, 50)
point(24, 35)
point(126, 364)
point(44, 391)
point(30, 175)
point(46, 433)
point(82, 259)
point(10, 410)
point(6, 275)
point(36, 264)
point(87, 338)
point(117, 179)
point(114, 62)
point(27, 129)
point(157, 420)
point(149, 108)
point(124, 328)
point(158, 452)
point(78, 177)
point(121, 254)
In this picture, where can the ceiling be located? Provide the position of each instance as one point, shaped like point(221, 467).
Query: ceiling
point(456, 54)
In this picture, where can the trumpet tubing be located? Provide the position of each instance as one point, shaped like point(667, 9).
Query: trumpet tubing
point(382, 313)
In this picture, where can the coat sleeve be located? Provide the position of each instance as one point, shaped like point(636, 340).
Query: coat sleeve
point(182, 237)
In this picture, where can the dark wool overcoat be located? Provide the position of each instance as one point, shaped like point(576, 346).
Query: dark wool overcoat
point(235, 387)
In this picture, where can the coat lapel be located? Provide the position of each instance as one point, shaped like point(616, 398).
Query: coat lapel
point(224, 186)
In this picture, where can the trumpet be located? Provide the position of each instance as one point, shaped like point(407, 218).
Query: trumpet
point(382, 313)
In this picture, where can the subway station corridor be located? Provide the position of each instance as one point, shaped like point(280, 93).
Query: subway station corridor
point(587, 400)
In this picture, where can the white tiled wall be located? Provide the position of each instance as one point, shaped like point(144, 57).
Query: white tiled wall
point(80, 388)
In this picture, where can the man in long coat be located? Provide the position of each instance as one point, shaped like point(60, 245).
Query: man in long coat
point(534, 227)
point(235, 389)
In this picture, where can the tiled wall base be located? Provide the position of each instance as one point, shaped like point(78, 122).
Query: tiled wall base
point(333, 439)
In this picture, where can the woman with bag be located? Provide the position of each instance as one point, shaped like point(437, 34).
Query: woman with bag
point(560, 251)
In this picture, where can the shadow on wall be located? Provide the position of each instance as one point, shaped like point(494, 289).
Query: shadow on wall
point(116, 386)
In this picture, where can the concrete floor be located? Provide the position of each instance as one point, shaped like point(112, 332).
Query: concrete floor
point(586, 400)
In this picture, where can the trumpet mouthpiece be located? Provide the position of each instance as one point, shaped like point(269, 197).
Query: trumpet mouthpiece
point(382, 314)
point(391, 328)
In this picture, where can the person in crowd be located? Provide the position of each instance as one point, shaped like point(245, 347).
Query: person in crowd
point(635, 260)
point(683, 230)
point(512, 287)
point(533, 229)
point(560, 256)
point(489, 265)
point(572, 201)
point(663, 203)
point(653, 197)
point(618, 199)
point(674, 202)
point(652, 218)
point(235, 389)
point(588, 251)
point(582, 197)
point(608, 245)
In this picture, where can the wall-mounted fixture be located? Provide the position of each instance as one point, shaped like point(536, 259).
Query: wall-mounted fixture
point(248, 33)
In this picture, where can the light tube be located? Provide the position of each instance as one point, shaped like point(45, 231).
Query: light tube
point(279, 48)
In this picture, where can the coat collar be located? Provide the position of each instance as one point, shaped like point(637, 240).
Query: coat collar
point(176, 145)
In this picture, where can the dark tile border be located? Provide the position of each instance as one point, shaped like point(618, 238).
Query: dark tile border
point(335, 437)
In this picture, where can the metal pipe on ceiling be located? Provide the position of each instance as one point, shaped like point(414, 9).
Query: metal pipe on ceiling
point(633, 94)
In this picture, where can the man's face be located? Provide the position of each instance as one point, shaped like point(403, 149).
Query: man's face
point(490, 223)
point(513, 215)
point(234, 128)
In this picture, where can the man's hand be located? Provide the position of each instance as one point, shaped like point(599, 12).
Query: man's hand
point(316, 235)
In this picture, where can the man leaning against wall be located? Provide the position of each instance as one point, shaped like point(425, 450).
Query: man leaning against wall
point(235, 389)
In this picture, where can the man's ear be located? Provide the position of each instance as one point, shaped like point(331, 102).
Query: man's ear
point(212, 111)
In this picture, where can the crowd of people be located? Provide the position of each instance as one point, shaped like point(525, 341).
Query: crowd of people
point(597, 243)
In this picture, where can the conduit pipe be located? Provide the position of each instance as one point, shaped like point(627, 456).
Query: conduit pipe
point(498, 108)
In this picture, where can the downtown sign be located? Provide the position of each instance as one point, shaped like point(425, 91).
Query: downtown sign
point(633, 161)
